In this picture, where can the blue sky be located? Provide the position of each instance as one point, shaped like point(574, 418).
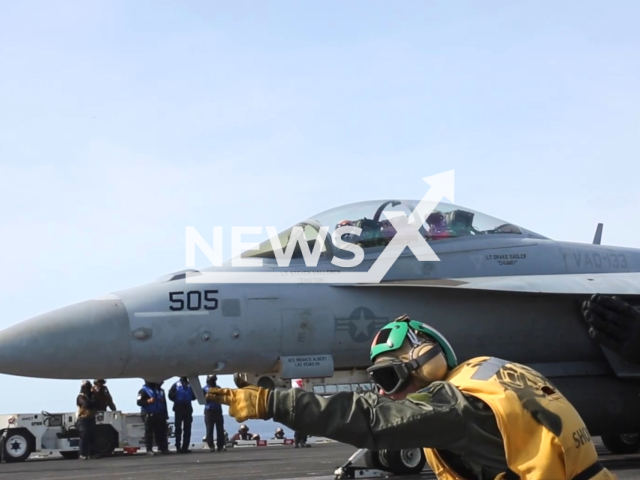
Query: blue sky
point(121, 123)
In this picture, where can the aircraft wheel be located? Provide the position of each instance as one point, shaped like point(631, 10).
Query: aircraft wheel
point(622, 444)
point(405, 462)
point(374, 460)
point(17, 446)
point(384, 461)
point(71, 455)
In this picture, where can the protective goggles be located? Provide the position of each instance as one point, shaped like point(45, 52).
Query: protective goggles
point(392, 376)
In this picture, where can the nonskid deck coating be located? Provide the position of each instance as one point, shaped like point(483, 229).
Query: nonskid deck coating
point(253, 463)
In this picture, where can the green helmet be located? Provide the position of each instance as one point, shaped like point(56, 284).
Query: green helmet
point(392, 336)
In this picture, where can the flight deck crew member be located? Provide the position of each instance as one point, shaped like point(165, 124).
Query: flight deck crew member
point(3, 442)
point(300, 439)
point(86, 423)
point(152, 402)
point(213, 418)
point(181, 394)
point(243, 434)
point(614, 324)
point(485, 418)
point(103, 396)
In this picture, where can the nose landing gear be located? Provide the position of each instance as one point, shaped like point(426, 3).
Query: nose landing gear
point(381, 463)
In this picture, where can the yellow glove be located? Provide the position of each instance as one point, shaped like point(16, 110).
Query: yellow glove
point(245, 403)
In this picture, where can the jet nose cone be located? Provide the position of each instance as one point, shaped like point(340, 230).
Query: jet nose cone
point(86, 340)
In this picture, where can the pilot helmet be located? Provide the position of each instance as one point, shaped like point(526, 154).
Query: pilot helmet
point(435, 218)
point(244, 428)
point(406, 348)
point(387, 228)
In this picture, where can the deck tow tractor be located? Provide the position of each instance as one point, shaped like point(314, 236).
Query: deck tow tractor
point(46, 434)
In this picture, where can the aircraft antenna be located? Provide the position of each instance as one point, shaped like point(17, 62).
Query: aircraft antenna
point(598, 236)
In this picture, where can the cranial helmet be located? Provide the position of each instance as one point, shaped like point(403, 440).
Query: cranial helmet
point(243, 427)
point(391, 337)
point(407, 347)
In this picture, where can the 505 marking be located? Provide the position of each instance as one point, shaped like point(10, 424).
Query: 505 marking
point(195, 300)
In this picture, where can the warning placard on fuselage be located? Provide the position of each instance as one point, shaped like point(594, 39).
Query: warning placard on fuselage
point(306, 366)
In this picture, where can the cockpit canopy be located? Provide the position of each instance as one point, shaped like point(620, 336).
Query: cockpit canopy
point(447, 221)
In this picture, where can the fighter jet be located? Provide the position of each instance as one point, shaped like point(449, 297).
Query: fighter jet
point(497, 289)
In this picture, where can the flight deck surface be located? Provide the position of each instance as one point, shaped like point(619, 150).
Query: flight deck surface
point(254, 463)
